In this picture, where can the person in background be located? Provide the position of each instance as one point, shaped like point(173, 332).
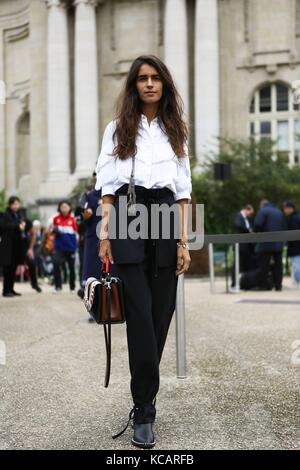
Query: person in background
point(268, 219)
point(91, 261)
point(65, 228)
point(29, 241)
point(241, 224)
point(38, 230)
point(12, 228)
point(293, 247)
point(46, 252)
point(82, 226)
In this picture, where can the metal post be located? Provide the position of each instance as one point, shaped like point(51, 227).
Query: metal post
point(180, 329)
point(211, 267)
point(226, 269)
point(236, 288)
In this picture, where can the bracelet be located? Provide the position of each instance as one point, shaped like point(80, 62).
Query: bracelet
point(183, 244)
point(103, 237)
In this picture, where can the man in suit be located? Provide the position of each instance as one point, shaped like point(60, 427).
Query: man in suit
point(241, 224)
point(268, 219)
point(293, 247)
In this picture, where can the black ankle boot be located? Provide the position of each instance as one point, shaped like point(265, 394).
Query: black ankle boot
point(143, 418)
point(143, 436)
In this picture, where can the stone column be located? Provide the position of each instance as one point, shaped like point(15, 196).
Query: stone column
point(2, 92)
point(86, 88)
point(176, 46)
point(207, 125)
point(58, 92)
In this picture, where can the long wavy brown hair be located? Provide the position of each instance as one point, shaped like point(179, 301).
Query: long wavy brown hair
point(129, 109)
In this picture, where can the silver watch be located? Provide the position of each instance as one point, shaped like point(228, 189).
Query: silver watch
point(183, 244)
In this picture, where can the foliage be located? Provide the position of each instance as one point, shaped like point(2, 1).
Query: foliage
point(2, 201)
point(257, 173)
point(82, 186)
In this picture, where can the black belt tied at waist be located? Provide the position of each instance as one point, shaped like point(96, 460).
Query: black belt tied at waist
point(149, 196)
point(153, 193)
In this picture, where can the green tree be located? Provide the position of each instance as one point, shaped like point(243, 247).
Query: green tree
point(81, 186)
point(2, 200)
point(257, 173)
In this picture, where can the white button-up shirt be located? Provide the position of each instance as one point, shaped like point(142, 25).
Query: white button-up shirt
point(156, 165)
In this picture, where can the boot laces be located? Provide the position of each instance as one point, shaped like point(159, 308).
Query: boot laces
point(131, 416)
point(132, 412)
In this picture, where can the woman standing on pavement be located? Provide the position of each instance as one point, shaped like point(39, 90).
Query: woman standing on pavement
point(144, 154)
point(65, 244)
point(12, 231)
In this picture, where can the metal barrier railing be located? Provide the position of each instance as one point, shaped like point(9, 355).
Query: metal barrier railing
point(236, 239)
point(228, 239)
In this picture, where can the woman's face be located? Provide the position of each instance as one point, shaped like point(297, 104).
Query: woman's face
point(15, 206)
point(148, 80)
point(64, 209)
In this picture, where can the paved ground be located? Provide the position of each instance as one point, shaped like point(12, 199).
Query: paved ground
point(242, 390)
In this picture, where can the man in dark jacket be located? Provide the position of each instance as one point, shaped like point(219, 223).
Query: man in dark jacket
point(12, 229)
point(293, 247)
point(268, 219)
point(28, 252)
point(242, 224)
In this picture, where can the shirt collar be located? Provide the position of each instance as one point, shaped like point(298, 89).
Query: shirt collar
point(144, 117)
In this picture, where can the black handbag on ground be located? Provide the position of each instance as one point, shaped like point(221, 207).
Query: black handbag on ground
point(104, 300)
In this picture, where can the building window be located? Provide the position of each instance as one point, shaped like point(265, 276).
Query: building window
point(265, 129)
point(282, 98)
point(265, 99)
point(273, 115)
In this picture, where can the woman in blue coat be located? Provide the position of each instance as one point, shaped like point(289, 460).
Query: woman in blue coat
point(91, 260)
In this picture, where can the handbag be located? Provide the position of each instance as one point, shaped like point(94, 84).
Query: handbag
point(104, 300)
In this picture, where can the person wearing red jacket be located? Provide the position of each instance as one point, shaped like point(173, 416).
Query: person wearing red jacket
point(65, 228)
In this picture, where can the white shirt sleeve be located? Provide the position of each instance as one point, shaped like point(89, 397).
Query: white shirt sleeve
point(184, 180)
point(106, 165)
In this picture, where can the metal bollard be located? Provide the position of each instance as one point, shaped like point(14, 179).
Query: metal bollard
point(236, 288)
point(180, 329)
point(237, 267)
point(211, 267)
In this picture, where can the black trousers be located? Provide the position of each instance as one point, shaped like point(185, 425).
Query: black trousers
point(32, 271)
point(9, 275)
point(260, 276)
point(59, 258)
point(9, 278)
point(265, 260)
point(149, 305)
point(150, 295)
point(246, 263)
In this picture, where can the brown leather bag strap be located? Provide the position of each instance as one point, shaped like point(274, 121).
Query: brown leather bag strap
point(107, 336)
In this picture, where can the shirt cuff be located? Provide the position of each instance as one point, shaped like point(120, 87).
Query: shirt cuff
point(183, 195)
point(107, 189)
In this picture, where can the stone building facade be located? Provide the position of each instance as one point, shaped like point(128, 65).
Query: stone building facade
point(64, 62)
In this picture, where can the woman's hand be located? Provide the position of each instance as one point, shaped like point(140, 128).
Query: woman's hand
point(105, 250)
point(183, 260)
point(30, 253)
point(87, 214)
